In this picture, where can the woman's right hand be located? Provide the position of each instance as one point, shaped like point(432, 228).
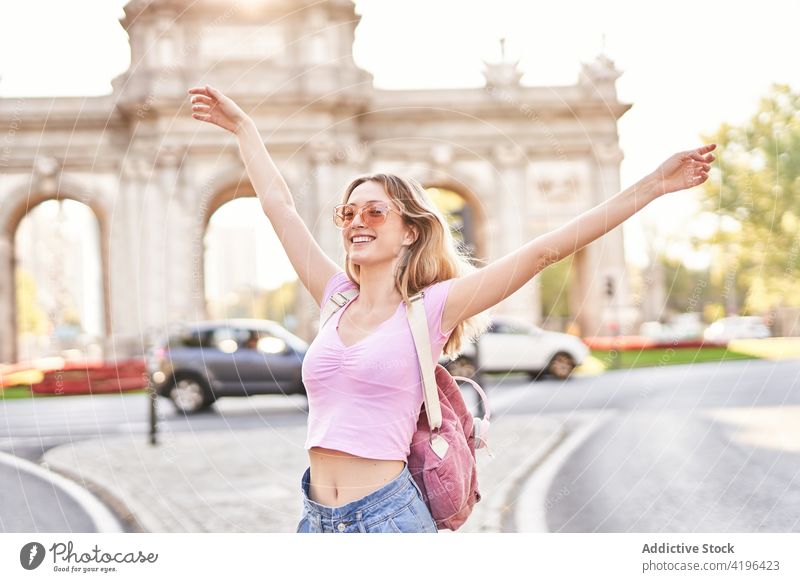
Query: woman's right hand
point(211, 105)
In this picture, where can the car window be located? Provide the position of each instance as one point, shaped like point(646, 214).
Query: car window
point(190, 338)
point(229, 339)
point(510, 327)
point(270, 344)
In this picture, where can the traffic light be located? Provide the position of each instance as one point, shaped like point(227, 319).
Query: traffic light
point(610, 286)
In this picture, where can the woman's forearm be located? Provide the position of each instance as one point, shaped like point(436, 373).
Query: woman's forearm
point(270, 187)
point(592, 224)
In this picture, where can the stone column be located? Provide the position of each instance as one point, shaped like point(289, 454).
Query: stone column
point(126, 237)
point(604, 259)
point(156, 243)
point(332, 168)
point(7, 306)
point(181, 257)
point(510, 228)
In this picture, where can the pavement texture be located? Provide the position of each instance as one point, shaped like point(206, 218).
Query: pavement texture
point(249, 480)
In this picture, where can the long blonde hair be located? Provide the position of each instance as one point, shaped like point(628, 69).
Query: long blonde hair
point(433, 257)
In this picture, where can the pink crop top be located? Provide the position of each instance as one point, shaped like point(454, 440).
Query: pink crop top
point(365, 399)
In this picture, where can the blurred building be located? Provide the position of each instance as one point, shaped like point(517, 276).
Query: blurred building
point(524, 160)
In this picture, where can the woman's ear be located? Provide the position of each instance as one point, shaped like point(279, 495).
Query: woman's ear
point(411, 234)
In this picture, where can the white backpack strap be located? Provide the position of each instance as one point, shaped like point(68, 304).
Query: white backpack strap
point(419, 331)
point(335, 303)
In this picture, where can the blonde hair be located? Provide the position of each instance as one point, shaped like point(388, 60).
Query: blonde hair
point(433, 257)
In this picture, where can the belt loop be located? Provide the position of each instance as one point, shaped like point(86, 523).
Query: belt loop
point(360, 523)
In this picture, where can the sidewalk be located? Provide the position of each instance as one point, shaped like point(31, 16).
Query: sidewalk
point(249, 480)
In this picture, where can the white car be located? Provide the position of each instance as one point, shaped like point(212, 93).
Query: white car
point(514, 345)
point(685, 326)
point(736, 327)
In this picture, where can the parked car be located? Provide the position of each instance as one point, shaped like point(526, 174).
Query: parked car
point(685, 326)
point(736, 327)
point(514, 345)
point(198, 363)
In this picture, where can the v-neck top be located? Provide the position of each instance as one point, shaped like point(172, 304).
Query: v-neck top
point(365, 399)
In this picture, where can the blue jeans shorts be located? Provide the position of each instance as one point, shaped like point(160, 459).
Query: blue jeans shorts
point(397, 507)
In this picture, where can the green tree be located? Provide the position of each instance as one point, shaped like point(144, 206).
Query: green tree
point(555, 284)
point(695, 290)
point(31, 318)
point(756, 186)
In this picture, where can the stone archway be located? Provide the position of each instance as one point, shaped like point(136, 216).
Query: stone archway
point(472, 214)
point(264, 300)
point(23, 204)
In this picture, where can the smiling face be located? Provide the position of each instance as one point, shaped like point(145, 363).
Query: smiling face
point(390, 238)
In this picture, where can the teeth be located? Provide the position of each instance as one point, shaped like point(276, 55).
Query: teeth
point(361, 239)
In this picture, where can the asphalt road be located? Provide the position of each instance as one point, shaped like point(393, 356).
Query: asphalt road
point(662, 465)
point(31, 503)
point(663, 462)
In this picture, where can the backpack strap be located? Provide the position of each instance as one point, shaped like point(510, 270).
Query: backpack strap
point(419, 330)
point(335, 303)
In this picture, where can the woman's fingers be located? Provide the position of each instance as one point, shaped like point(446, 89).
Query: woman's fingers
point(708, 158)
point(202, 99)
point(198, 91)
point(701, 154)
point(201, 116)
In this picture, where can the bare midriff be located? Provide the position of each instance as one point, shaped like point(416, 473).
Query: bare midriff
point(337, 478)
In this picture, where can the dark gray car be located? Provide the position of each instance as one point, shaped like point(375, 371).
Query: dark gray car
point(201, 362)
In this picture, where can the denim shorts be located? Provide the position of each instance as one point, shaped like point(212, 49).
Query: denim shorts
point(397, 507)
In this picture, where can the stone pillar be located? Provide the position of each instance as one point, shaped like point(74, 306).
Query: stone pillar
point(604, 259)
point(156, 244)
point(8, 345)
point(126, 236)
point(331, 170)
point(181, 257)
point(511, 230)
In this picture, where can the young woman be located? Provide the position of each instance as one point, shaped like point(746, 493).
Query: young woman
point(361, 371)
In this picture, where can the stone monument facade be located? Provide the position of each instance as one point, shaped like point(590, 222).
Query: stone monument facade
point(525, 159)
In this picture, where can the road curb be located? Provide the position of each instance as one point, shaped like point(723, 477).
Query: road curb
point(104, 520)
point(124, 516)
point(531, 513)
point(503, 509)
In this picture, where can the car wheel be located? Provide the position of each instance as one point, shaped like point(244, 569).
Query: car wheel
point(189, 394)
point(462, 366)
point(561, 366)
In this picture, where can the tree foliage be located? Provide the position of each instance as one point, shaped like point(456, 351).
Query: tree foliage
point(756, 187)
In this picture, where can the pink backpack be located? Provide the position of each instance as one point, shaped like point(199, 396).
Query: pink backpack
point(442, 458)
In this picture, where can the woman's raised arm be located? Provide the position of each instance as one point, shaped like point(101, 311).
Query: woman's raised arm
point(488, 286)
point(313, 266)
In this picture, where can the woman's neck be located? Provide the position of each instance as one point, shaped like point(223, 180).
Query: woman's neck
point(376, 287)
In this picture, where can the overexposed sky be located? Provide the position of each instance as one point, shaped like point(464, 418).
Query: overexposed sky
point(687, 65)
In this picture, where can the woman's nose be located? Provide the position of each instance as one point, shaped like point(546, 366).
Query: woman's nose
point(356, 219)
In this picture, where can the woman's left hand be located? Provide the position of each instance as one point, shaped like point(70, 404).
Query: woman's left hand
point(684, 170)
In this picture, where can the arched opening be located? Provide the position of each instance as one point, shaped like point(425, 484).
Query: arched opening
point(58, 273)
point(246, 271)
point(461, 215)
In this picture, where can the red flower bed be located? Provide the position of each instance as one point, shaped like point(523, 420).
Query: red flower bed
point(94, 378)
point(638, 342)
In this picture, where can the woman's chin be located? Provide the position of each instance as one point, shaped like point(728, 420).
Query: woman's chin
point(362, 259)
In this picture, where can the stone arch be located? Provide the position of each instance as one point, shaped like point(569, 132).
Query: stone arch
point(18, 203)
point(226, 186)
point(471, 199)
